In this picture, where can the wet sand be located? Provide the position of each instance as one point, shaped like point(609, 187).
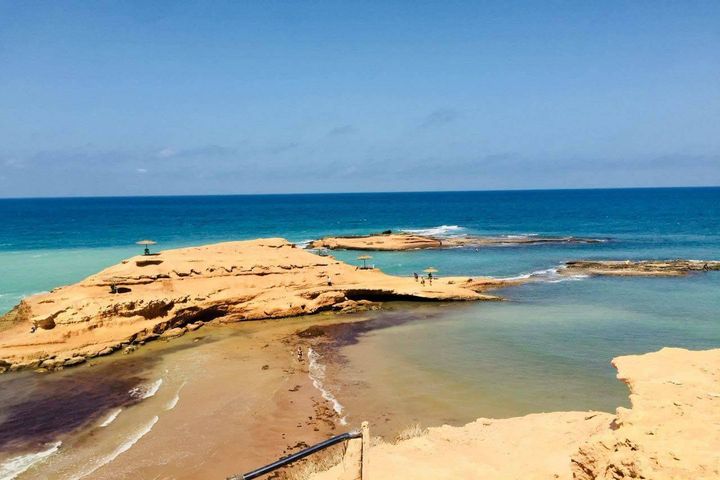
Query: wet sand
point(231, 398)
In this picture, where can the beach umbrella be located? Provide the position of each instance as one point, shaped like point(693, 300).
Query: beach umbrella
point(146, 243)
point(364, 258)
point(430, 270)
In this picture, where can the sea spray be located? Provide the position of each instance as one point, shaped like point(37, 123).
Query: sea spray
point(122, 448)
point(303, 243)
point(316, 371)
point(17, 465)
point(549, 275)
point(142, 392)
point(111, 417)
point(442, 230)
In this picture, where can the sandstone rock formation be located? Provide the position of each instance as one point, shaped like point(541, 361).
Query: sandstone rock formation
point(672, 431)
point(142, 297)
point(642, 268)
point(407, 241)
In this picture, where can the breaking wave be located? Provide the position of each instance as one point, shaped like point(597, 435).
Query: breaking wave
point(442, 230)
point(142, 392)
point(317, 375)
point(124, 447)
point(550, 275)
point(111, 418)
point(174, 401)
point(304, 243)
point(18, 465)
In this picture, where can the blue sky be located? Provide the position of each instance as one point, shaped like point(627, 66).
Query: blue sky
point(133, 98)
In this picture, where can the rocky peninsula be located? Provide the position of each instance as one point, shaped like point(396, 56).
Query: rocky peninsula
point(641, 268)
point(163, 295)
point(671, 432)
point(408, 241)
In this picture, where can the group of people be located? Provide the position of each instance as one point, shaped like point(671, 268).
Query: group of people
point(422, 279)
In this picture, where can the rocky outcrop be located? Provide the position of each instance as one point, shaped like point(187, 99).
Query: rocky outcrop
point(407, 241)
point(642, 268)
point(672, 432)
point(158, 296)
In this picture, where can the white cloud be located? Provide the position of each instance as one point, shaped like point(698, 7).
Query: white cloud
point(167, 152)
point(142, 170)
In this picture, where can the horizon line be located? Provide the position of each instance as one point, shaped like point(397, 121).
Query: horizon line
point(280, 194)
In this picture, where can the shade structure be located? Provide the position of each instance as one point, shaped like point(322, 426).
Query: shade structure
point(147, 244)
point(364, 259)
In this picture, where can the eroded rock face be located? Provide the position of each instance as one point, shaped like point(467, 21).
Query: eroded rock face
point(642, 268)
point(672, 430)
point(142, 297)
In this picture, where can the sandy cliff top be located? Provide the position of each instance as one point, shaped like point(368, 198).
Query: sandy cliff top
point(671, 432)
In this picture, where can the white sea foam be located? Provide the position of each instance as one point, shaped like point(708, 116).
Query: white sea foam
point(111, 417)
point(142, 392)
point(442, 230)
point(521, 235)
point(550, 275)
point(174, 401)
point(122, 448)
point(304, 243)
point(15, 466)
point(317, 375)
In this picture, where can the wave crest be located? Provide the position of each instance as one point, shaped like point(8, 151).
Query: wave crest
point(317, 375)
point(439, 231)
point(142, 392)
point(122, 448)
point(111, 417)
point(549, 275)
point(17, 465)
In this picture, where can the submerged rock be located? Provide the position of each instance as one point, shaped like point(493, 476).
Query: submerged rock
point(639, 268)
point(407, 241)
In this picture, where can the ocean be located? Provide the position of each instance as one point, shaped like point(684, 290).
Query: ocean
point(548, 347)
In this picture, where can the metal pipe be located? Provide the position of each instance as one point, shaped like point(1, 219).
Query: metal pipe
point(297, 456)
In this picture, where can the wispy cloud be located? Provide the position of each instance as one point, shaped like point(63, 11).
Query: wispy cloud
point(341, 130)
point(441, 116)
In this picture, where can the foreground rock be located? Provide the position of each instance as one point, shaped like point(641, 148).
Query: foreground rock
point(233, 281)
point(643, 268)
point(407, 241)
point(671, 432)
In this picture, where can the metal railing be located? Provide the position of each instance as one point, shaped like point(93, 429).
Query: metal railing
point(296, 456)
